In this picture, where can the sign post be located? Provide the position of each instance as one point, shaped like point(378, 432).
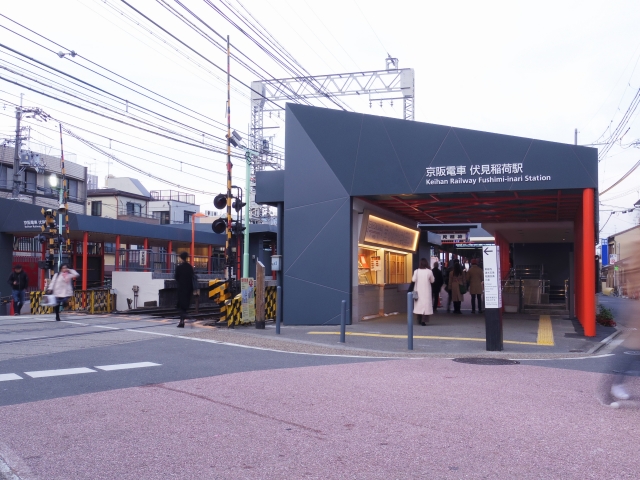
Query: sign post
point(248, 300)
point(492, 298)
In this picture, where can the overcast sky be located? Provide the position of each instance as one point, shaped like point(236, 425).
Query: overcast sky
point(532, 69)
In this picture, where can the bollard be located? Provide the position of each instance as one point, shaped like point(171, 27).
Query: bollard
point(343, 321)
point(410, 320)
point(278, 309)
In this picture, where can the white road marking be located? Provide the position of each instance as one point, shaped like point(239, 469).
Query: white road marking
point(124, 366)
point(9, 376)
point(104, 326)
point(58, 372)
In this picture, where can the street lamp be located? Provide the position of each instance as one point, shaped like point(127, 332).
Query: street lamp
point(193, 236)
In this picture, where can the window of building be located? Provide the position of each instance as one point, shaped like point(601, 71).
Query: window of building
point(109, 248)
point(72, 185)
point(134, 209)
point(395, 267)
point(187, 216)
point(30, 181)
point(163, 216)
point(96, 208)
point(3, 176)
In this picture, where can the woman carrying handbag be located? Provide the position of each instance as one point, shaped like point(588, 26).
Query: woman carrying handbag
point(61, 287)
point(422, 297)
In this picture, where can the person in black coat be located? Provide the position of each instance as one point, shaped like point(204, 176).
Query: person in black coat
point(19, 283)
point(184, 279)
point(436, 286)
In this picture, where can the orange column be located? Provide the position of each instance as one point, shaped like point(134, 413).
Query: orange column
point(117, 251)
point(169, 252)
point(577, 264)
point(587, 264)
point(85, 256)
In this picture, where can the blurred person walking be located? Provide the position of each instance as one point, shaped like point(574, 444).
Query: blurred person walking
point(184, 278)
point(622, 362)
point(475, 278)
point(61, 287)
point(458, 286)
point(437, 285)
point(422, 280)
point(19, 283)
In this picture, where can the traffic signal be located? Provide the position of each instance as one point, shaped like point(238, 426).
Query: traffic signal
point(49, 218)
point(220, 201)
point(219, 225)
point(237, 205)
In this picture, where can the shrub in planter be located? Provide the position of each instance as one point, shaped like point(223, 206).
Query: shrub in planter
point(605, 316)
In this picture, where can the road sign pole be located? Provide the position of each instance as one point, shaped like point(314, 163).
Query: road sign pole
point(492, 298)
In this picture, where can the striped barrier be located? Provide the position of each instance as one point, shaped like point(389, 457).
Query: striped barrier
point(270, 303)
point(90, 301)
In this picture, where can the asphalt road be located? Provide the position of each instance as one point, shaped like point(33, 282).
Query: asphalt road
point(34, 344)
point(127, 398)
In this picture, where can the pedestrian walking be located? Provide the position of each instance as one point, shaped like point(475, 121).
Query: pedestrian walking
point(422, 280)
point(184, 278)
point(445, 276)
point(458, 286)
point(19, 283)
point(622, 363)
point(437, 285)
point(475, 276)
point(61, 287)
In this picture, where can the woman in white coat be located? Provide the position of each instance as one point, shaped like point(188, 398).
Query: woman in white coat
point(61, 287)
point(422, 280)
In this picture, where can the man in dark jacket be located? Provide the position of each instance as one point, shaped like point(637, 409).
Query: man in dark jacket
point(436, 286)
point(19, 283)
point(184, 279)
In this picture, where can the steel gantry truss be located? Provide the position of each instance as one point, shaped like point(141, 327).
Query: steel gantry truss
point(380, 85)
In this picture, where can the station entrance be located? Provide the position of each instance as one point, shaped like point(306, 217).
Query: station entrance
point(356, 188)
point(544, 238)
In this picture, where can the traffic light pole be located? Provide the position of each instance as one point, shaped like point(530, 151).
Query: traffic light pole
point(247, 189)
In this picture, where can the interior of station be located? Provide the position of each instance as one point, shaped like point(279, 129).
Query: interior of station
point(544, 239)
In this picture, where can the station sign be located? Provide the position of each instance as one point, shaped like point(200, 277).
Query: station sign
point(613, 258)
point(492, 283)
point(454, 237)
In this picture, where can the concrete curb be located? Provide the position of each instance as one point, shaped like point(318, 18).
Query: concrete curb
point(603, 343)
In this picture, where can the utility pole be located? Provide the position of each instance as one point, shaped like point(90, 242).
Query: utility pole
point(15, 193)
point(575, 137)
point(228, 255)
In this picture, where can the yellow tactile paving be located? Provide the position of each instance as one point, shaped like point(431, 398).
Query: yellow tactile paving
point(545, 331)
point(425, 337)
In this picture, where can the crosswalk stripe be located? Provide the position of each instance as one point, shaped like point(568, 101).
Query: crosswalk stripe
point(9, 376)
point(124, 366)
point(58, 372)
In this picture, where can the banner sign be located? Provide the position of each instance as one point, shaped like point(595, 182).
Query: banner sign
point(492, 283)
point(247, 286)
point(383, 233)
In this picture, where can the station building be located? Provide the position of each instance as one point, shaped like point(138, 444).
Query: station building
point(363, 197)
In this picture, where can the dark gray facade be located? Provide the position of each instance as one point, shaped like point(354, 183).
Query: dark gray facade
point(334, 156)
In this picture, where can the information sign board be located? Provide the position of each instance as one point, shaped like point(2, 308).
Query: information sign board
point(247, 286)
point(492, 283)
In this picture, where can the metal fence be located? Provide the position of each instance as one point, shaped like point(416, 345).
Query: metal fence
point(161, 262)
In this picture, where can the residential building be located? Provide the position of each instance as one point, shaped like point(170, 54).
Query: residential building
point(621, 247)
point(36, 186)
point(172, 207)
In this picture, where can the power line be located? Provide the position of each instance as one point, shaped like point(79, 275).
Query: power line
point(117, 75)
point(198, 53)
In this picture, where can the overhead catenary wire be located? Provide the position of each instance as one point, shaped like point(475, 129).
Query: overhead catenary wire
point(622, 178)
point(128, 165)
point(199, 54)
point(117, 75)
